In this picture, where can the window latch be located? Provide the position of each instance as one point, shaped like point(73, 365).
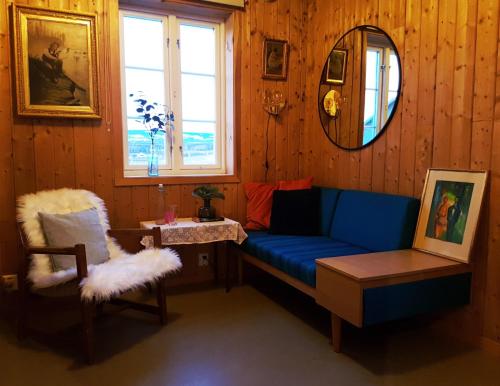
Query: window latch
point(168, 42)
point(178, 43)
point(180, 149)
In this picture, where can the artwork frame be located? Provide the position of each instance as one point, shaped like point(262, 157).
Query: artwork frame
point(275, 59)
point(56, 63)
point(449, 212)
point(336, 67)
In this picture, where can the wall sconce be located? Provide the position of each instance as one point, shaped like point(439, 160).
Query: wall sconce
point(273, 102)
point(332, 103)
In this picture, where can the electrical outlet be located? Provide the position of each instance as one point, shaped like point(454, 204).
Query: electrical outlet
point(202, 259)
point(9, 283)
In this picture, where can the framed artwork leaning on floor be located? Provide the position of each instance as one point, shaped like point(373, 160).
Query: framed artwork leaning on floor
point(449, 212)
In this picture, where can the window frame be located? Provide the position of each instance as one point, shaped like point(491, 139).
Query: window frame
point(220, 96)
point(382, 91)
point(228, 146)
point(138, 170)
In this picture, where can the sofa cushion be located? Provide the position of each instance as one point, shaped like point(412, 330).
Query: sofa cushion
point(328, 203)
point(375, 221)
point(296, 255)
point(259, 204)
point(305, 183)
point(295, 212)
point(404, 300)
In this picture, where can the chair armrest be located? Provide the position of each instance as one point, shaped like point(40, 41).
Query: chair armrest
point(78, 251)
point(51, 250)
point(138, 232)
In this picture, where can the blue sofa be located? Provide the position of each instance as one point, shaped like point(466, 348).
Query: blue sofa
point(352, 222)
point(358, 222)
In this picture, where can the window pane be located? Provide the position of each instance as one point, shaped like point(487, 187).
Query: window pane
point(392, 99)
point(139, 144)
point(149, 82)
point(393, 73)
point(372, 69)
point(199, 143)
point(198, 98)
point(369, 133)
point(143, 42)
point(370, 117)
point(197, 49)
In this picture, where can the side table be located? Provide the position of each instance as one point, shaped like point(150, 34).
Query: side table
point(342, 283)
point(186, 231)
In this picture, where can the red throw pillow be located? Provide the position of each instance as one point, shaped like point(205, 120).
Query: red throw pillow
point(259, 204)
point(306, 183)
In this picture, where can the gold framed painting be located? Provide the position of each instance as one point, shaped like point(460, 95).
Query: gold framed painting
point(449, 212)
point(275, 59)
point(55, 63)
point(336, 65)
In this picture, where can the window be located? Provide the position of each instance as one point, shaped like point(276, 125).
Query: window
point(178, 63)
point(381, 87)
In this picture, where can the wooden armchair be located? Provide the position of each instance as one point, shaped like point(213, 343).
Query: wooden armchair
point(87, 282)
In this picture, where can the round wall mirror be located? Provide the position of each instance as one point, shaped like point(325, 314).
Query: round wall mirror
point(359, 87)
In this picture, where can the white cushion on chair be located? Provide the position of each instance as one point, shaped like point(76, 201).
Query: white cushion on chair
point(102, 282)
point(62, 230)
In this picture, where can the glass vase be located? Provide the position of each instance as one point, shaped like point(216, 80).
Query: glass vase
point(153, 161)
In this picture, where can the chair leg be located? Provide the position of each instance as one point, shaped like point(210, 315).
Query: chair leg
point(99, 309)
point(336, 332)
point(87, 330)
point(22, 312)
point(161, 298)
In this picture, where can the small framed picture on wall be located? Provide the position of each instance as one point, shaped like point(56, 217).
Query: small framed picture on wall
point(335, 69)
point(275, 59)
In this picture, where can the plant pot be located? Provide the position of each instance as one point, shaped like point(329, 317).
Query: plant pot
point(206, 211)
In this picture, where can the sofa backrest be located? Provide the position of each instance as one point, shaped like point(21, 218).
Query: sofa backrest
point(329, 198)
point(375, 221)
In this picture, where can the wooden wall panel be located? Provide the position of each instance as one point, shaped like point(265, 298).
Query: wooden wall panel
point(47, 154)
point(426, 93)
point(6, 147)
point(446, 118)
point(410, 97)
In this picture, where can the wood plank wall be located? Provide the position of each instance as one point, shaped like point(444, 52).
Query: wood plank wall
point(40, 154)
point(448, 116)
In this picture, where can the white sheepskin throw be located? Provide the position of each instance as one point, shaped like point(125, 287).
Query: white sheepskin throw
point(121, 273)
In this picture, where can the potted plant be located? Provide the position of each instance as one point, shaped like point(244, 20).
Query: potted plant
point(207, 193)
point(155, 118)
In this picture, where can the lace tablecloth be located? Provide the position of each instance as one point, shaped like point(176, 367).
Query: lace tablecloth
point(187, 231)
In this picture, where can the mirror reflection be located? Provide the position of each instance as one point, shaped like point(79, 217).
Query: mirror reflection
point(359, 87)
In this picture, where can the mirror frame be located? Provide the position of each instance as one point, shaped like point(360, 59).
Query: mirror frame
point(396, 102)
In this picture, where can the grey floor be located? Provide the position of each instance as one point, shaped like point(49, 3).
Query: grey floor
point(243, 338)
